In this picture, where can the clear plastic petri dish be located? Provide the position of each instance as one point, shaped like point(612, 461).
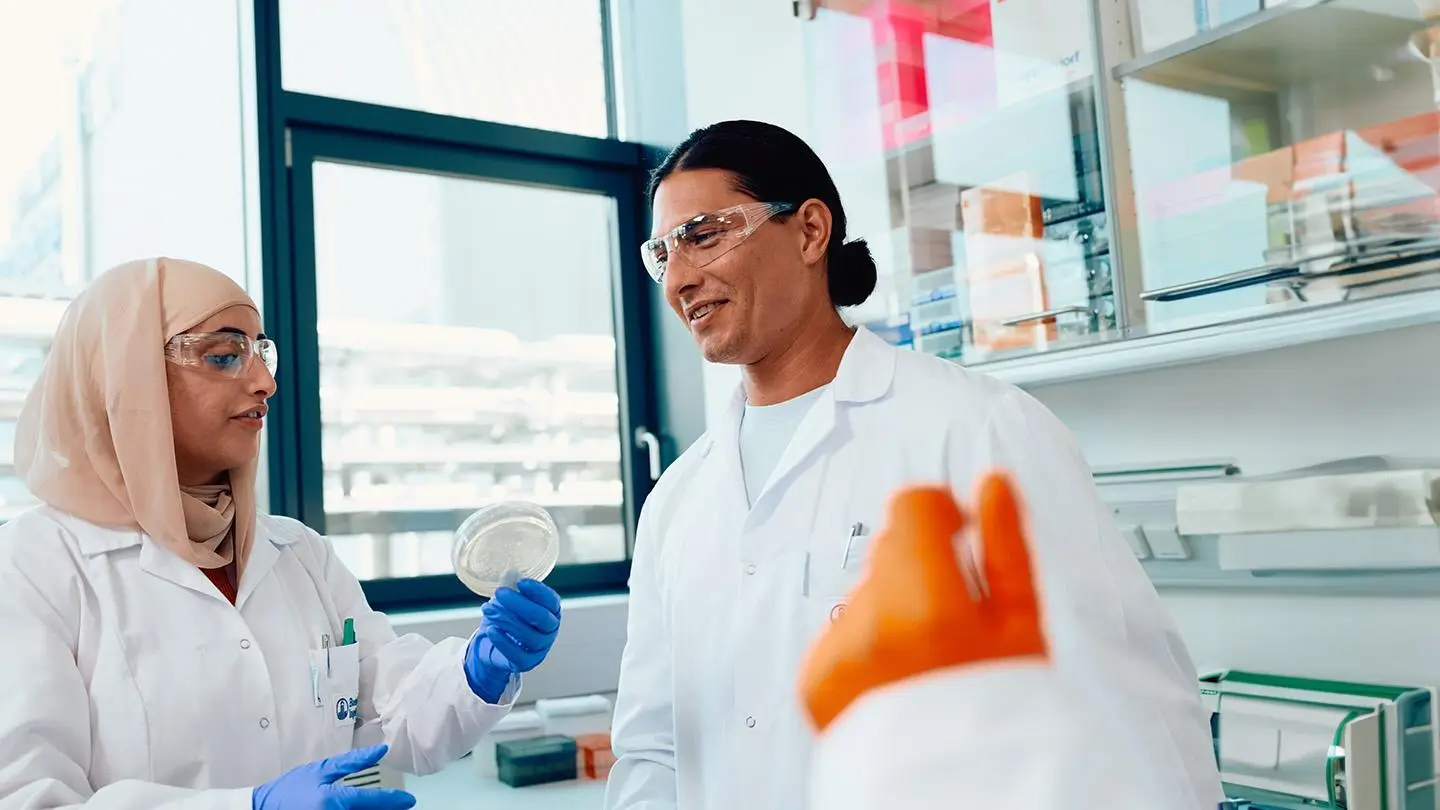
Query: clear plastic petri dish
point(505, 542)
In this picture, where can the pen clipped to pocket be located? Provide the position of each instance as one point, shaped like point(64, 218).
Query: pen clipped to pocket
point(856, 544)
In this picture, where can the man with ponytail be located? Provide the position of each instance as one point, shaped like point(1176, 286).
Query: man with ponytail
point(752, 540)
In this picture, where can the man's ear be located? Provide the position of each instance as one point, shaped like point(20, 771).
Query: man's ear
point(815, 224)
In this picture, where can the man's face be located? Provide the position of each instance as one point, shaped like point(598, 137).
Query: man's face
point(747, 301)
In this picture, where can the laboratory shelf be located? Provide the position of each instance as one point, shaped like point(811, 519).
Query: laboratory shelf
point(1120, 354)
point(1280, 46)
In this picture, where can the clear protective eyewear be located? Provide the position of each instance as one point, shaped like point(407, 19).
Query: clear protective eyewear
point(707, 237)
point(227, 354)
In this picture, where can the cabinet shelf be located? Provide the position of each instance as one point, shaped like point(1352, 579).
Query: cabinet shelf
point(1280, 46)
point(1121, 354)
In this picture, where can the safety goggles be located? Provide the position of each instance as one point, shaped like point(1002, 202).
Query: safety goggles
point(225, 354)
point(707, 237)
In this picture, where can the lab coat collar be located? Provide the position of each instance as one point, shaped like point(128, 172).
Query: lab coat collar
point(95, 540)
point(263, 557)
point(867, 370)
point(866, 373)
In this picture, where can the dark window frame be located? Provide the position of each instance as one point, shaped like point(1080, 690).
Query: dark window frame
point(296, 129)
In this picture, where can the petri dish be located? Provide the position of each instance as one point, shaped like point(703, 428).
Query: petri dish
point(505, 542)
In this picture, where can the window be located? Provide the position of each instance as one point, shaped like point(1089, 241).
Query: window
point(467, 355)
point(454, 234)
point(87, 178)
point(532, 64)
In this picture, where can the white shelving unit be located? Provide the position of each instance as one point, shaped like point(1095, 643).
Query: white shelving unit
point(1260, 105)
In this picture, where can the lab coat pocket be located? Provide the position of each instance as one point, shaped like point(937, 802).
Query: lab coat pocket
point(857, 546)
point(335, 679)
point(836, 564)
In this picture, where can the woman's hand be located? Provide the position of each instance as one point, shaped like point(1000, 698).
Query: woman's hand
point(312, 787)
point(923, 605)
point(516, 632)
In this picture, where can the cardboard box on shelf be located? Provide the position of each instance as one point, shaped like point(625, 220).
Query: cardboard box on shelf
point(1010, 290)
point(1274, 170)
point(1319, 157)
point(1003, 267)
point(1413, 143)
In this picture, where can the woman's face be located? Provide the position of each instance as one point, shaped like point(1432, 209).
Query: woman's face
point(213, 416)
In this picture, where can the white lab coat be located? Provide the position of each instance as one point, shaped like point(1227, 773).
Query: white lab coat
point(128, 681)
point(725, 599)
point(996, 735)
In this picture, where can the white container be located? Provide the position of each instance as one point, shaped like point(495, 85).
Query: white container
point(514, 726)
point(573, 716)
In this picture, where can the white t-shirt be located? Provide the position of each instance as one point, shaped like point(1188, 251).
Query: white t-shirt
point(765, 432)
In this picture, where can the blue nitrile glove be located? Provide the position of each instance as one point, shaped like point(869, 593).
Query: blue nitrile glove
point(312, 787)
point(517, 629)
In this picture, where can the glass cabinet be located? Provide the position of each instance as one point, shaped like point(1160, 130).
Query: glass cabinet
point(1048, 179)
point(1282, 157)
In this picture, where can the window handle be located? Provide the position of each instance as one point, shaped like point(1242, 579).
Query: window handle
point(651, 443)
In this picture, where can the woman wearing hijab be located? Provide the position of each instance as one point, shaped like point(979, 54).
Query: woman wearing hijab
point(165, 646)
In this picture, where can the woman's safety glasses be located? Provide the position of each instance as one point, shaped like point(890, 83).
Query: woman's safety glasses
point(226, 354)
point(707, 237)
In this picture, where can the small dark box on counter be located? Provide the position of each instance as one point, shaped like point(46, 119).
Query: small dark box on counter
point(535, 761)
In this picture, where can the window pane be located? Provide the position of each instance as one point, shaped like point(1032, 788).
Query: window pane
point(467, 356)
point(534, 64)
point(89, 179)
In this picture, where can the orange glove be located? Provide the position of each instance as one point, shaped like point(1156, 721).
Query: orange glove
point(916, 611)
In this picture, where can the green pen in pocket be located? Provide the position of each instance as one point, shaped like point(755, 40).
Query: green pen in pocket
point(349, 636)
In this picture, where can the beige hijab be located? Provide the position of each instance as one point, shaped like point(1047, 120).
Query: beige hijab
point(94, 438)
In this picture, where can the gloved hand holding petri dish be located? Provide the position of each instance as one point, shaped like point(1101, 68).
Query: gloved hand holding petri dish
point(503, 543)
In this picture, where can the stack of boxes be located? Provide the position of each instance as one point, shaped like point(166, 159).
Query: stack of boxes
point(558, 740)
point(940, 65)
point(1003, 267)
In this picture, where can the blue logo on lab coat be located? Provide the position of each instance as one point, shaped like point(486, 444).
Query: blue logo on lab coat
point(346, 708)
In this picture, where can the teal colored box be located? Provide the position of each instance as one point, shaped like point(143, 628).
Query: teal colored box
point(536, 761)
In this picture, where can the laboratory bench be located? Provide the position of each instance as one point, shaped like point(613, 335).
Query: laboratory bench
point(463, 786)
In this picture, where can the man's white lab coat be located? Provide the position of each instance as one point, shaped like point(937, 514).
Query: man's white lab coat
point(726, 598)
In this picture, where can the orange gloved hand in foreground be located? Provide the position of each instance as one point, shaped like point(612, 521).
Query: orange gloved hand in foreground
point(914, 611)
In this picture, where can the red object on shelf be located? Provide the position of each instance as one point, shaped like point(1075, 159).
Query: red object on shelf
point(595, 756)
point(898, 33)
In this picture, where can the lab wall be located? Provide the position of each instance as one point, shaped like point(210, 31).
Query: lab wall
point(1371, 395)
